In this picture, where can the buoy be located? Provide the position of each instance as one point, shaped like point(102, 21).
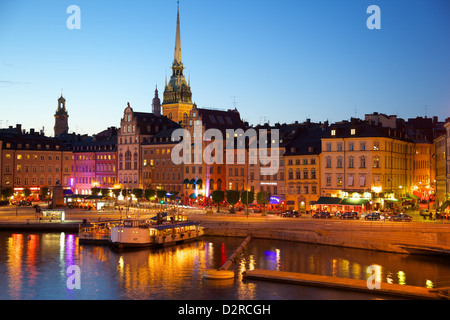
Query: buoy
point(218, 274)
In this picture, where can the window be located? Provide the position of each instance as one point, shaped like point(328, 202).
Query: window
point(362, 162)
point(290, 174)
point(339, 181)
point(313, 173)
point(352, 132)
point(333, 132)
point(328, 160)
point(339, 162)
point(362, 146)
point(339, 146)
point(376, 162)
point(305, 174)
point(328, 146)
point(328, 181)
point(362, 181)
point(351, 162)
point(350, 180)
point(351, 146)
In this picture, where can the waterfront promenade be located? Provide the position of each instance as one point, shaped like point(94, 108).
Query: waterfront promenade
point(419, 236)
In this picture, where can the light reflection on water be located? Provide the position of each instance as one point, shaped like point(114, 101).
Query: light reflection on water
point(34, 266)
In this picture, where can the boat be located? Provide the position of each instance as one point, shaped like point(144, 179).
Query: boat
point(134, 234)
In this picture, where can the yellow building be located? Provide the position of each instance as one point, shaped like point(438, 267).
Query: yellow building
point(371, 163)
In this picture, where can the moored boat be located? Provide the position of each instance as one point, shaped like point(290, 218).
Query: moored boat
point(133, 234)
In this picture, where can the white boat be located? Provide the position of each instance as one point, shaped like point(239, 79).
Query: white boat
point(134, 234)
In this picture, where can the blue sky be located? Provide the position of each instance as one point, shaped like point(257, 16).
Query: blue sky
point(280, 61)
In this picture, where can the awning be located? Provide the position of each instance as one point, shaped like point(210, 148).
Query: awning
point(192, 196)
point(186, 181)
point(392, 200)
point(192, 181)
point(200, 182)
point(328, 201)
point(412, 196)
point(353, 202)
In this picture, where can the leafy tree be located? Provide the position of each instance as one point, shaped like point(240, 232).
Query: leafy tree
point(161, 194)
point(149, 193)
point(8, 192)
point(26, 192)
point(232, 198)
point(218, 196)
point(138, 193)
point(262, 198)
point(104, 192)
point(43, 192)
point(95, 191)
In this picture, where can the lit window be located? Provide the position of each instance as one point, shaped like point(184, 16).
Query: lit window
point(353, 132)
point(333, 132)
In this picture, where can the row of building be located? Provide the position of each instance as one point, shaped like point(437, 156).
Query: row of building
point(377, 162)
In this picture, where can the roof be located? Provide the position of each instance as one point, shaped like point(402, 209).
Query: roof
point(175, 225)
point(220, 119)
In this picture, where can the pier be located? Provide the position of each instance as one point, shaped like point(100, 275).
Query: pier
point(403, 291)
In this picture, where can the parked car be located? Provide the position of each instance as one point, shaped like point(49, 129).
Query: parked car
point(4, 203)
point(350, 215)
point(373, 216)
point(290, 213)
point(322, 215)
point(401, 217)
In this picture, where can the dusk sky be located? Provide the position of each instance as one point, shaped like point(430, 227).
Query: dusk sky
point(280, 61)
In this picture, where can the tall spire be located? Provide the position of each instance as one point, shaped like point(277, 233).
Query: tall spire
point(178, 59)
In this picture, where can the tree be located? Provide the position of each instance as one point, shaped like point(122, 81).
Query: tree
point(43, 192)
point(149, 193)
point(247, 197)
point(104, 192)
point(232, 198)
point(138, 193)
point(26, 192)
point(8, 192)
point(95, 191)
point(262, 198)
point(218, 196)
point(161, 194)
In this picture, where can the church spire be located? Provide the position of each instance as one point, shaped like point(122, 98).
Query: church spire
point(178, 61)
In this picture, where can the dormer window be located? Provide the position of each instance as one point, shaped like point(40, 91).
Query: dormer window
point(352, 132)
point(333, 132)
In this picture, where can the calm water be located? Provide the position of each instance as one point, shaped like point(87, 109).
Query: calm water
point(34, 266)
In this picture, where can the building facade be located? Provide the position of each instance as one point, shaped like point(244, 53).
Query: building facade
point(30, 160)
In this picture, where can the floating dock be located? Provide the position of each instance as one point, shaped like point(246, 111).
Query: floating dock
point(403, 291)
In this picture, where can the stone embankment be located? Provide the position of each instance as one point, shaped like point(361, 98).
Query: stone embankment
point(399, 237)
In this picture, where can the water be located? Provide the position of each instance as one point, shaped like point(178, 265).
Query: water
point(34, 266)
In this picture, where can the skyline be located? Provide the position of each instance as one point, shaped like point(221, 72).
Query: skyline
point(231, 53)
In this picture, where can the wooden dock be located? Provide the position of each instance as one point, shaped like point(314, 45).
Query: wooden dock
point(403, 291)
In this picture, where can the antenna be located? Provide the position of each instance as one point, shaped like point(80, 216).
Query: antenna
point(234, 101)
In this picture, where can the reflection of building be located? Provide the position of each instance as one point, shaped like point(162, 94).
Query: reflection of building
point(32, 160)
point(302, 167)
point(447, 127)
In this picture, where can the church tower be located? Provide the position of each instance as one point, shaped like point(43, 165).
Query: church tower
point(156, 104)
point(177, 100)
point(61, 118)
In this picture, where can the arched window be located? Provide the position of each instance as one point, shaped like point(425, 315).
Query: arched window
point(185, 118)
point(219, 184)
point(211, 184)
